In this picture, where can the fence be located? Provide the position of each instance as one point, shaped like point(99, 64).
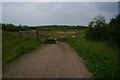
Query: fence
point(34, 34)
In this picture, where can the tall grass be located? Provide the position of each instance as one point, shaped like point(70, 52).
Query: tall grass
point(14, 47)
point(101, 60)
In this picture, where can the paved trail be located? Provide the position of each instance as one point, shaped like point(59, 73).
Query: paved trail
point(49, 61)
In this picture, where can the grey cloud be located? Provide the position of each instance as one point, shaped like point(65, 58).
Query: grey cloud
point(38, 13)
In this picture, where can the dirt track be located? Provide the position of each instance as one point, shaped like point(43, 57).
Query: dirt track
point(49, 61)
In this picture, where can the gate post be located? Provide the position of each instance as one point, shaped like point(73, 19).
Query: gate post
point(20, 34)
point(37, 34)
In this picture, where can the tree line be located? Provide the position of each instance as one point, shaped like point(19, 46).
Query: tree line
point(99, 30)
point(12, 27)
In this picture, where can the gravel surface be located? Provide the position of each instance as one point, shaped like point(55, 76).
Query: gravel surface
point(49, 61)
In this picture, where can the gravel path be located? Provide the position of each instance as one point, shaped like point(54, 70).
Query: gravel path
point(49, 61)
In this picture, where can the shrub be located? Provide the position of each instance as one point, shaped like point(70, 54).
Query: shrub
point(99, 31)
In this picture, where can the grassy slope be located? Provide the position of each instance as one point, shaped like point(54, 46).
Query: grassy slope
point(101, 60)
point(13, 47)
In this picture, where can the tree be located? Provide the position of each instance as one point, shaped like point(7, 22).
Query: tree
point(114, 30)
point(96, 31)
point(9, 27)
point(98, 21)
point(99, 31)
point(25, 28)
point(90, 24)
point(20, 28)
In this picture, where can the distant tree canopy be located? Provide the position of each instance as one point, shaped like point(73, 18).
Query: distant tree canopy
point(61, 27)
point(11, 27)
point(100, 31)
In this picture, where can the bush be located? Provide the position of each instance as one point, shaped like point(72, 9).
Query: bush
point(115, 30)
point(99, 31)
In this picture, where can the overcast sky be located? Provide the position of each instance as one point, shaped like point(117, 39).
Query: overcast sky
point(44, 13)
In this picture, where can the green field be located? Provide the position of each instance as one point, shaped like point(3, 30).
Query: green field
point(59, 33)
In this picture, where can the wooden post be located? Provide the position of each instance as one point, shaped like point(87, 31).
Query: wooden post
point(27, 34)
point(37, 34)
point(20, 34)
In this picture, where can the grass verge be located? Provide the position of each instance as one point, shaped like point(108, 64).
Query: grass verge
point(13, 47)
point(100, 59)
